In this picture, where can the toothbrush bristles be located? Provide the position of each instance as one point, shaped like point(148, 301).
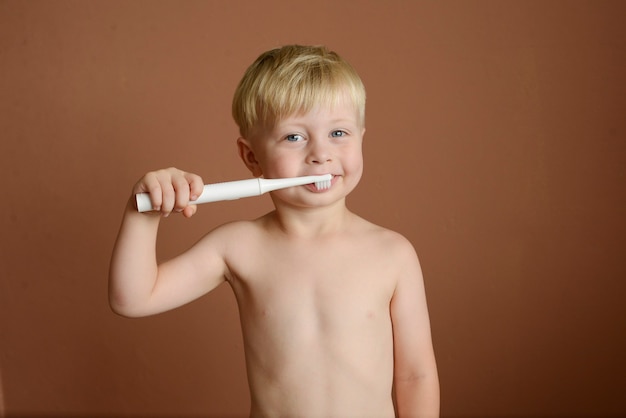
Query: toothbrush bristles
point(322, 185)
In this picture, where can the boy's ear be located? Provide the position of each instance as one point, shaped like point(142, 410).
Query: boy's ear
point(249, 159)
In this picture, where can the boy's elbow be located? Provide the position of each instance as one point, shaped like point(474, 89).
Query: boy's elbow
point(417, 395)
point(417, 378)
point(127, 312)
point(124, 309)
point(120, 309)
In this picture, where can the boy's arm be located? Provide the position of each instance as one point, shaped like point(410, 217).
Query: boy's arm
point(415, 370)
point(138, 286)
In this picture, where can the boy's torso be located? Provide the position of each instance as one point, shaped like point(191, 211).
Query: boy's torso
point(315, 319)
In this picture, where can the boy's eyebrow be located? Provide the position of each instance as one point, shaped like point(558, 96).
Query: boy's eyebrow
point(345, 121)
point(338, 120)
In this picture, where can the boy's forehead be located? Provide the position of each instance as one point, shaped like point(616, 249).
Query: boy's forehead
point(335, 102)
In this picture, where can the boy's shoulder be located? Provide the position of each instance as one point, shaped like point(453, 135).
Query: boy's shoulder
point(235, 229)
point(391, 241)
point(246, 232)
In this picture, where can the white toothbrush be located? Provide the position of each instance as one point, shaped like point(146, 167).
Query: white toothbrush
point(232, 190)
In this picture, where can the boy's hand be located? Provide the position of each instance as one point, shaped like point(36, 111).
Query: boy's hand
point(170, 190)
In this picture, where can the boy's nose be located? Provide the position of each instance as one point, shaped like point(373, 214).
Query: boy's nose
point(318, 153)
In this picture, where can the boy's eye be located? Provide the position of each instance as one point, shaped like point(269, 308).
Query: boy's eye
point(338, 133)
point(294, 138)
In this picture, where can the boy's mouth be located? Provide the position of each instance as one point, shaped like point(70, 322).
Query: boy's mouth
point(323, 185)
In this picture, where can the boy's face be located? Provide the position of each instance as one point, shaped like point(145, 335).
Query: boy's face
point(323, 140)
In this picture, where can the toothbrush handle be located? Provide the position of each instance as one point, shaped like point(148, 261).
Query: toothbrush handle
point(229, 190)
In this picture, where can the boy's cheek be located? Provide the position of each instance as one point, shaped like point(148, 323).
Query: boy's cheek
point(279, 168)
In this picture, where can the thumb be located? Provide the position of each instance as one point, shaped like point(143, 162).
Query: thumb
point(190, 210)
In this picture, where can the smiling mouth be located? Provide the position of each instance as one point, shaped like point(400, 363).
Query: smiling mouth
point(324, 184)
point(320, 186)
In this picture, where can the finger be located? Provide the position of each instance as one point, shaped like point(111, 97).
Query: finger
point(169, 198)
point(181, 188)
point(150, 184)
point(190, 210)
point(196, 185)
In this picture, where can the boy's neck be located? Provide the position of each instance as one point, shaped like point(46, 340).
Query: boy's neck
point(311, 222)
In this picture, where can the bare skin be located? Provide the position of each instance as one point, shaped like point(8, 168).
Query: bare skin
point(332, 307)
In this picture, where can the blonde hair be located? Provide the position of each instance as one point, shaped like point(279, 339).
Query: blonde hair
point(293, 79)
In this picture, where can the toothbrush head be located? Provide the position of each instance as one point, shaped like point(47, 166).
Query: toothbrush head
point(325, 183)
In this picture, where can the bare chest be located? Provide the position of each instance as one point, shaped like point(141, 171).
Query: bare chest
point(328, 287)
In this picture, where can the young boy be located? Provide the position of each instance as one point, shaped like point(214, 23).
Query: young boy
point(332, 307)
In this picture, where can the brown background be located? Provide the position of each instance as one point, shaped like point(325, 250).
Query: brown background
point(495, 143)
